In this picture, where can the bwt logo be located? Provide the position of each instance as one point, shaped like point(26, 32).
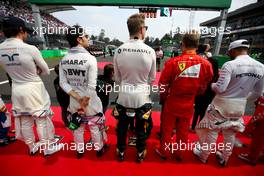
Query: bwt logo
point(76, 72)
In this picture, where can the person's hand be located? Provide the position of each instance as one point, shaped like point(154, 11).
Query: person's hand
point(84, 102)
point(3, 109)
point(39, 71)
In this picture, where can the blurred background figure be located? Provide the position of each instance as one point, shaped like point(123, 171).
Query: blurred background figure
point(159, 57)
point(5, 123)
point(207, 51)
point(257, 132)
point(203, 100)
point(62, 97)
point(104, 84)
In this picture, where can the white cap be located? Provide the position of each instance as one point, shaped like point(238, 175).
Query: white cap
point(238, 43)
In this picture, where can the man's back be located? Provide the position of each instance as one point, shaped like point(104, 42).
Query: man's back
point(135, 65)
point(79, 70)
point(186, 75)
point(20, 59)
point(242, 76)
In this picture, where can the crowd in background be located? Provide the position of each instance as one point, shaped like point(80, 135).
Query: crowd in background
point(24, 11)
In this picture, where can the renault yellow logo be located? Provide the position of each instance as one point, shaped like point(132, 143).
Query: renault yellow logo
point(182, 66)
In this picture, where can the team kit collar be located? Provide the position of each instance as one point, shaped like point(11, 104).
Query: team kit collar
point(189, 52)
point(135, 40)
point(78, 49)
point(14, 39)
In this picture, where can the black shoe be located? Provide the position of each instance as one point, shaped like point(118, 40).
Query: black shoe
point(220, 159)
point(101, 152)
point(35, 149)
point(7, 140)
point(178, 158)
point(141, 156)
point(79, 154)
point(162, 157)
point(57, 138)
point(106, 147)
point(192, 130)
point(120, 155)
point(245, 158)
point(4, 143)
point(11, 139)
point(197, 151)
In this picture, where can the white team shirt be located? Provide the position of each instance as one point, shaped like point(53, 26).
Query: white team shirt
point(78, 72)
point(19, 60)
point(239, 77)
point(135, 69)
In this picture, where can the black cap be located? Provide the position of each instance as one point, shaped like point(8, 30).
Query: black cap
point(15, 22)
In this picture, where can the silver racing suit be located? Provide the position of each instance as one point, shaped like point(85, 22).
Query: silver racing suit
point(237, 79)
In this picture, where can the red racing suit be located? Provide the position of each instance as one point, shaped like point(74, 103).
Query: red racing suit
point(181, 80)
point(256, 128)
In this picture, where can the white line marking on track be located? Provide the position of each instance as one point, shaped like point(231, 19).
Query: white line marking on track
point(4, 82)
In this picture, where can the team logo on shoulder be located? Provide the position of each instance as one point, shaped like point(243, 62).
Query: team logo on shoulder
point(192, 71)
point(181, 65)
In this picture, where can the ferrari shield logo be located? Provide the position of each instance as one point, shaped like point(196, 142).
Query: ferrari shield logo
point(182, 66)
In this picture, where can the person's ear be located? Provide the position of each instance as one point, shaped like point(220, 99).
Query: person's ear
point(79, 40)
point(142, 30)
point(21, 29)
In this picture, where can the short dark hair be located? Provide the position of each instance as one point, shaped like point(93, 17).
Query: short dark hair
point(201, 49)
point(108, 69)
point(73, 33)
point(191, 40)
point(12, 31)
point(135, 22)
point(12, 26)
point(241, 48)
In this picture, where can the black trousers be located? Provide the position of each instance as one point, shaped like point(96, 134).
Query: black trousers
point(201, 104)
point(142, 128)
point(64, 114)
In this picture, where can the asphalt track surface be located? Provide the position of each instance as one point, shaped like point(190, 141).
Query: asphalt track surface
point(5, 89)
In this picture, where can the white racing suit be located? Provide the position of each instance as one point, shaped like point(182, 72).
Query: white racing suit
point(78, 72)
point(32, 107)
point(30, 100)
point(214, 122)
point(237, 79)
point(96, 126)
